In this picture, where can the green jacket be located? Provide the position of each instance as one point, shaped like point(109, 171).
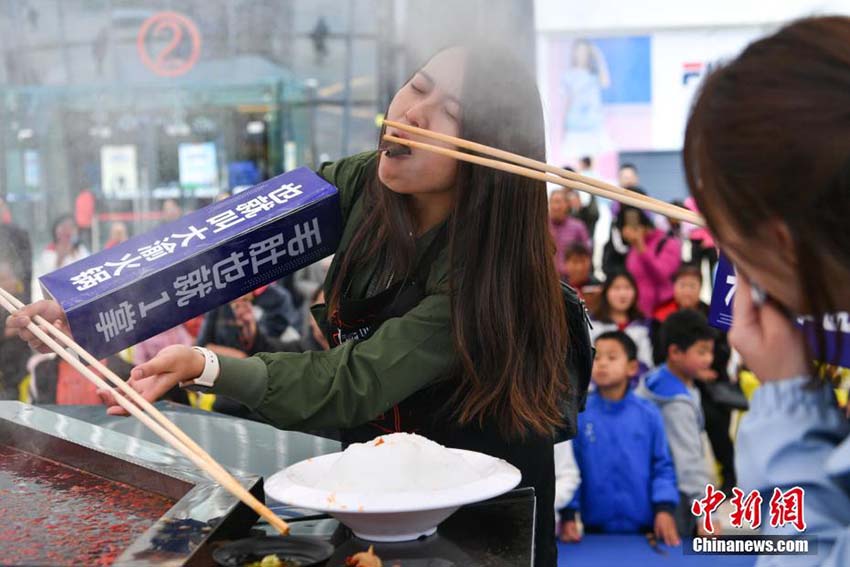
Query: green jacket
point(354, 382)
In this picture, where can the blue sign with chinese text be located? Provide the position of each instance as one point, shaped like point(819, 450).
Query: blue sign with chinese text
point(720, 312)
point(177, 271)
point(836, 327)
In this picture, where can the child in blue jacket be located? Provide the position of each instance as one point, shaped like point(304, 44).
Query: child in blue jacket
point(628, 483)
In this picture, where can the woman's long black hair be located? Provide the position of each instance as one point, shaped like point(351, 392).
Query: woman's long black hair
point(507, 309)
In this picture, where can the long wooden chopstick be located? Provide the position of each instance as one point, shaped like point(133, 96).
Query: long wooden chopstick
point(552, 174)
point(197, 455)
point(116, 380)
point(632, 199)
point(538, 165)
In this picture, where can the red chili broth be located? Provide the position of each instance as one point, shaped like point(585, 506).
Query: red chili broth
point(54, 514)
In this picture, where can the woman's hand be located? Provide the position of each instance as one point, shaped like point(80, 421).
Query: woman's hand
point(16, 325)
point(173, 365)
point(769, 342)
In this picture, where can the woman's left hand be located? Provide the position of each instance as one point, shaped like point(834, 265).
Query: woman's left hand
point(173, 365)
point(770, 343)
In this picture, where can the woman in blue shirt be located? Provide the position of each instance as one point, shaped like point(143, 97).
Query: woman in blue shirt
point(767, 154)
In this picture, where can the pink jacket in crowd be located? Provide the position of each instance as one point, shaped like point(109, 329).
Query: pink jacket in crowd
point(653, 269)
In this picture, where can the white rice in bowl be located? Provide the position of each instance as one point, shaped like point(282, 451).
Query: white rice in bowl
point(399, 462)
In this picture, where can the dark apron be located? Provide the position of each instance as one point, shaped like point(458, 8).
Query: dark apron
point(358, 319)
point(425, 411)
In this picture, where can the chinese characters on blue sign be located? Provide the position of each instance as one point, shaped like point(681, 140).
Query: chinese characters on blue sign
point(836, 326)
point(175, 272)
point(720, 313)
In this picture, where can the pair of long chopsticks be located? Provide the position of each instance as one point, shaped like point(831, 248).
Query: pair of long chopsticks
point(540, 171)
point(153, 419)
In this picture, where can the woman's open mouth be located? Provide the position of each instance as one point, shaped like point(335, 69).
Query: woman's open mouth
point(392, 149)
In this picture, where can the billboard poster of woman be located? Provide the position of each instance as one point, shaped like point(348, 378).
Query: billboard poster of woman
point(599, 96)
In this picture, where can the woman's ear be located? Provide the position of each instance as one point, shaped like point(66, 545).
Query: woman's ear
point(777, 231)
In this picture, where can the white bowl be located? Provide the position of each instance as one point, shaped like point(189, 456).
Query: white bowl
point(398, 516)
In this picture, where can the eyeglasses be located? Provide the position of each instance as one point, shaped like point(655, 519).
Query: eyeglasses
point(761, 298)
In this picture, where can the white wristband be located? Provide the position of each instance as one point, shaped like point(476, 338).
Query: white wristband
point(210, 372)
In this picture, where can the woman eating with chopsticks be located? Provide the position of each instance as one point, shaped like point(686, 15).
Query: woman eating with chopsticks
point(444, 310)
point(444, 307)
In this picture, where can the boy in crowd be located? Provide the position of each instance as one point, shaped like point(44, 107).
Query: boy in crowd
point(628, 483)
point(687, 283)
point(715, 388)
point(688, 343)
